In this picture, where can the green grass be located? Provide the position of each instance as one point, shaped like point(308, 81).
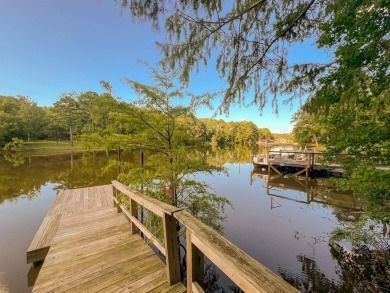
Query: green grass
point(42, 147)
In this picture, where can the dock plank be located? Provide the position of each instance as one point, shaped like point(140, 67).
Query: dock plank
point(91, 248)
point(67, 202)
point(40, 245)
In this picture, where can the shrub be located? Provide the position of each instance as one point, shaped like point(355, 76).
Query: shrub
point(15, 145)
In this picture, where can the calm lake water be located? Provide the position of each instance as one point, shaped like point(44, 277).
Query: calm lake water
point(283, 223)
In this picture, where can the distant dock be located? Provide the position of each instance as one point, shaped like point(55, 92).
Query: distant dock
point(297, 163)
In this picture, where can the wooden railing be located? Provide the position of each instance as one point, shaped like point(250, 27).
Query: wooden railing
point(170, 247)
point(201, 242)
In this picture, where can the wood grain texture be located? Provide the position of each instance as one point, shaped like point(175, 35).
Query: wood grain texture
point(246, 272)
point(67, 203)
point(157, 207)
point(90, 248)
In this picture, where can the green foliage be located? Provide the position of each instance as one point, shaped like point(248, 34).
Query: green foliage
point(283, 137)
point(165, 129)
point(354, 94)
point(182, 189)
point(308, 129)
point(87, 113)
point(371, 182)
point(249, 38)
point(350, 111)
point(369, 256)
point(221, 132)
point(265, 133)
point(361, 232)
point(10, 125)
point(16, 159)
point(20, 117)
point(69, 114)
point(15, 145)
point(32, 118)
point(348, 106)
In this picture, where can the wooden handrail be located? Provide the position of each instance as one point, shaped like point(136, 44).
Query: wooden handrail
point(242, 269)
point(154, 205)
point(170, 248)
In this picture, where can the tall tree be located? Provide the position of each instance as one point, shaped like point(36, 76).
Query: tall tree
point(157, 113)
point(164, 129)
point(32, 118)
point(68, 111)
point(96, 110)
point(308, 128)
point(10, 125)
point(264, 133)
point(353, 98)
point(55, 128)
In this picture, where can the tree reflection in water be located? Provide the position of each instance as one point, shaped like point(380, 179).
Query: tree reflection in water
point(361, 266)
point(23, 177)
point(360, 270)
point(311, 279)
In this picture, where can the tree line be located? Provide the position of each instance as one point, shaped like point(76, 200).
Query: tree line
point(90, 117)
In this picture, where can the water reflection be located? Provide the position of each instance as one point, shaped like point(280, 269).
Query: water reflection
point(316, 190)
point(311, 279)
point(356, 274)
point(25, 178)
point(281, 221)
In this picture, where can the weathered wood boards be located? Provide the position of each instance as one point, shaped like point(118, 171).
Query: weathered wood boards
point(67, 202)
point(91, 248)
point(243, 270)
point(40, 245)
point(201, 242)
point(94, 248)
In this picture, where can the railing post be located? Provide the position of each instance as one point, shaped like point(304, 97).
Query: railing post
point(171, 249)
point(195, 264)
point(133, 213)
point(269, 166)
point(115, 200)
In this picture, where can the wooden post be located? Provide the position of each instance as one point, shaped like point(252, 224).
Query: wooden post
point(269, 167)
point(308, 166)
point(172, 257)
point(133, 213)
point(195, 264)
point(116, 203)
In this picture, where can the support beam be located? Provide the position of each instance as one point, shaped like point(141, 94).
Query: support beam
point(171, 249)
point(195, 264)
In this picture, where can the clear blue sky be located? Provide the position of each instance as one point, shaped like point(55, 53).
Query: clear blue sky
point(50, 47)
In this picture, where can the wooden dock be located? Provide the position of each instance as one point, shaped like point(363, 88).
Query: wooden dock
point(297, 163)
point(87, 247)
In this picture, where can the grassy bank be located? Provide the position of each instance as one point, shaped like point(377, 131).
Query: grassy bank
point(46, 147)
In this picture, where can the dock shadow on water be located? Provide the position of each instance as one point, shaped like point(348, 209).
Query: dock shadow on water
point(298, 229)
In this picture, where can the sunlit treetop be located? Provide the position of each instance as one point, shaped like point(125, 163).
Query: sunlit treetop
point(250, 40)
